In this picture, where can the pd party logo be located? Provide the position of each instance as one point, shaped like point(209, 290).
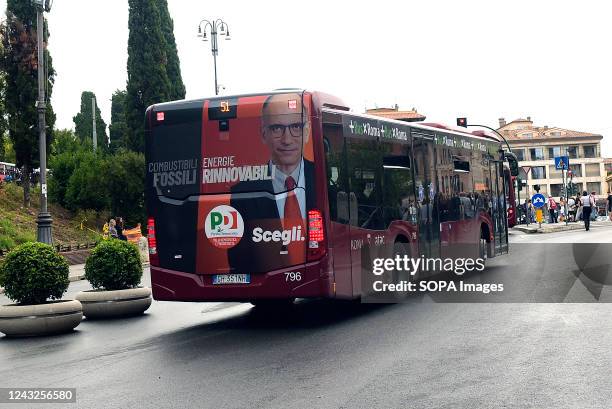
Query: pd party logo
point(224, 227)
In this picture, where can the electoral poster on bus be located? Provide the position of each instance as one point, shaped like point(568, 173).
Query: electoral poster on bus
point(257, 178)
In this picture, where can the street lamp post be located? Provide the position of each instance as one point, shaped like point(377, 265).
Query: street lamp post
point(217, 26)
point(44, 219)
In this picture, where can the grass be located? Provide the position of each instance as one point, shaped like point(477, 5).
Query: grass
point(18, 224)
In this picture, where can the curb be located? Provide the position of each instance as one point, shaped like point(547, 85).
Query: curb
point(554, 229)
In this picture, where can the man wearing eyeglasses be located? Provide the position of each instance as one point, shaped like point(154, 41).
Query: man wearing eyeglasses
point(285, 130)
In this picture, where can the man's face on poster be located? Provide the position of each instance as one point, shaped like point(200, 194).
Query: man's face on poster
point(285, 130)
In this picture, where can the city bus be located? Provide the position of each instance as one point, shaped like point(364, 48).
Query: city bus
point(288, 194)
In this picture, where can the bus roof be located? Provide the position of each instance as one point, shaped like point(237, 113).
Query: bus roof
point(431, 127)
point(332, 103)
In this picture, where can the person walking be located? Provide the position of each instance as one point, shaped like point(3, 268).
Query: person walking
point(571, 209)
point(530, 211)
point(112, 229)
point(587, 207)
point(562, 209)
point(610, 205)
point(594, 210)
point(120, 228)
point(552, 210)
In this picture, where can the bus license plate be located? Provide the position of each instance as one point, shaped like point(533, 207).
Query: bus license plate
point(231, 279)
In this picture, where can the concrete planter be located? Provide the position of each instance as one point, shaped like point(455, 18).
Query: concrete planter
point(40, 319)
point(115, 303)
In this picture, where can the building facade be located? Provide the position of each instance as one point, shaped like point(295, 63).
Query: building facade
point(395, 113)
point(536, 147)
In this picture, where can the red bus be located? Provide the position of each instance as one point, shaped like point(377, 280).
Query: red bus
point(288, 195)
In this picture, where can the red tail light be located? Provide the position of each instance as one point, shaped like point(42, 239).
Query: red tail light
point(153, 256)
point(316, 235)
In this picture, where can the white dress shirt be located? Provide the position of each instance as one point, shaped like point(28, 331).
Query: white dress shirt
point(278, 183)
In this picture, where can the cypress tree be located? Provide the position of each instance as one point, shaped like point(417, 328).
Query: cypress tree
point(20, 63)
point(3, 118)
point(148, 81)
point(173, 67)
point(118, 127)
point(83, 122)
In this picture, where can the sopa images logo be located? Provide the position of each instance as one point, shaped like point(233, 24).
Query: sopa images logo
point(224, 226)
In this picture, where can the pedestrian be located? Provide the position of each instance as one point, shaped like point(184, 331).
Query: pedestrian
point(610, 205)
point(112, 229)
point(571, 209)
point(594, 210)
point(587, 208)
point(530, 211)
point(552, 210)
point(561, 209)
point(120, 228)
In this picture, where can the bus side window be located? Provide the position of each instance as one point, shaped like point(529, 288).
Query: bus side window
point(398, 189)
point(365, 173)
point(333, 143)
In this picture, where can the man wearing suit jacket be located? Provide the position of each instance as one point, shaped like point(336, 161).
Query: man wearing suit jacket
point(279, 204)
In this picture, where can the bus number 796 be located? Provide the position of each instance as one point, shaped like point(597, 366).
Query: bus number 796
point(293, 276)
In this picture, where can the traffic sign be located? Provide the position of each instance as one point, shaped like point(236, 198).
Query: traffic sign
point(562, 162)
point(538, 200)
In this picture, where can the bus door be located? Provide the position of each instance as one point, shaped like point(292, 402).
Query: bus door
point(425, 191)
point(338, 197)
point(366, 211)
point(498, 207)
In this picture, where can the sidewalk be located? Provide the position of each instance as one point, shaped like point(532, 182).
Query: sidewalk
point(557, 227)
point(77, 272)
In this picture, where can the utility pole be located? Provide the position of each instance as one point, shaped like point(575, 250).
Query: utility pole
point(93, 116)
point(44, 219)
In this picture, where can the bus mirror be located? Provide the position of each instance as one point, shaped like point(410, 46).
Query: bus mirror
point(512, 162)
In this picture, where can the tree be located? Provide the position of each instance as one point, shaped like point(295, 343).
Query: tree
point(87, 187)
point(118, 127)
point(173, 66)
point(64, 141)
point(153, 66)
point(83, 122)
point(9, 152)
point(3, 118)
point(20, 63)
point(126, 186)
point(63, 166)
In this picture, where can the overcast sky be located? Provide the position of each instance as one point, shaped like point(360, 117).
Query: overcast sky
point(484, 60)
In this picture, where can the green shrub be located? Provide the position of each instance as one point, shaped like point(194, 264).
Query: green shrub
point(114, 265)
point(33, 272)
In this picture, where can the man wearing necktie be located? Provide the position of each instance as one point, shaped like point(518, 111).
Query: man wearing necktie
point(285, 129)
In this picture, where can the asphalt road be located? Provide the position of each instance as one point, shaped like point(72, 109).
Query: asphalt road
point(322, 354)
